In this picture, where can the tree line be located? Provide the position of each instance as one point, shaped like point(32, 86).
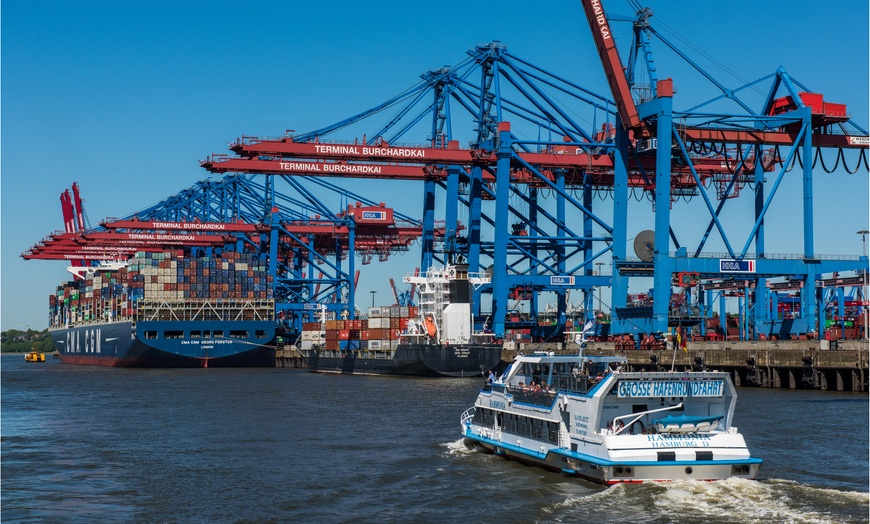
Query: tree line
point(17, 341)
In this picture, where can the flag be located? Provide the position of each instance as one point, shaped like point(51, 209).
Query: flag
point(589, 327)
point(681, 339)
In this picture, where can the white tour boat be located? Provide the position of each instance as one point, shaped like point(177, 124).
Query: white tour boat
point(590, 419)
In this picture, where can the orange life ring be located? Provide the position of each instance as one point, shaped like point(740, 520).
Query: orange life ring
point(430, 326)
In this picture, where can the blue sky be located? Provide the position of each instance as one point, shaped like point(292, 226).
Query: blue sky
point(125, 98)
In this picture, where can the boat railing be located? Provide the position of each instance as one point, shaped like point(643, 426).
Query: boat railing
point(91, 322)
point(205, 309)
point(572, 384)
point(532, 397)
point(467, 416)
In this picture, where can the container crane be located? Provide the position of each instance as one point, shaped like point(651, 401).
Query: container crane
point(505, 182)
point(797, 121)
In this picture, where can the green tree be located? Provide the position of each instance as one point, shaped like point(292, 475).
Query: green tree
point(17, 341)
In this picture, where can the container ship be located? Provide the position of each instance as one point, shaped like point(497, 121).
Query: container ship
point(163, 309)
point(435, 338)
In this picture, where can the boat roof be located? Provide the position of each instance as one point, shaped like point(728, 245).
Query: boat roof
point(541, 356)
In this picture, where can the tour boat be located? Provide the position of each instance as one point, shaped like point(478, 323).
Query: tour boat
point(587, 417)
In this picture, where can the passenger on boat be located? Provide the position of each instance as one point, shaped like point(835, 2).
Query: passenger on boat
point(490, 378)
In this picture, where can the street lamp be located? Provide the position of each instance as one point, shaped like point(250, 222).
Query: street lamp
point(864, 234)
point(373, 297)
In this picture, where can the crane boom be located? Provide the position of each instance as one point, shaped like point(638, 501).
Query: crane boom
point(612, 65)
point(79, 208)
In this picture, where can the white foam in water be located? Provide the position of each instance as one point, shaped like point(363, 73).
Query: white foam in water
point(747, 500)
point(458, 448)
point(736, 500)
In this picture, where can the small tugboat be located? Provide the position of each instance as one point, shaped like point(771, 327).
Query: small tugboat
point(34, 356)
point(584, 416)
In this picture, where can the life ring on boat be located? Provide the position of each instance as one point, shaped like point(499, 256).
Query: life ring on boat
point(430, 326)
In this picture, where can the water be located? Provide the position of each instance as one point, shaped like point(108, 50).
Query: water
point(90, 444)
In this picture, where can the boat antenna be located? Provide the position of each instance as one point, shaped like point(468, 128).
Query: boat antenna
point(581, 337)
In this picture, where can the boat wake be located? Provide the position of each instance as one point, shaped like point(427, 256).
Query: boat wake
point(727, 501)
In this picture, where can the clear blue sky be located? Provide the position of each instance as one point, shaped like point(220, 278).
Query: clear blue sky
point(125, 98)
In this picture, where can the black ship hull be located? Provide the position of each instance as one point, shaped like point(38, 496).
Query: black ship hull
point(421, 360)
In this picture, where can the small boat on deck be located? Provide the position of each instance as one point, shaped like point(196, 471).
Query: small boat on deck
point(686, 424)
point(34, 356)
point(584, 416)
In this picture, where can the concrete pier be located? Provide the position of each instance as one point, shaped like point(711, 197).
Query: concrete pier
point(289, 357)
point(794, 364)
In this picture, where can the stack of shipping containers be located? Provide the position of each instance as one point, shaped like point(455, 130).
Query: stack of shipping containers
point(380, 332)
point(166, 277)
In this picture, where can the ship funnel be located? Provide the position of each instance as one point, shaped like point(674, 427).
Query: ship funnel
point(459, 287)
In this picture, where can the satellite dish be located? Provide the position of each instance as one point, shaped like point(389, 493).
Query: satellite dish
point(644, 245)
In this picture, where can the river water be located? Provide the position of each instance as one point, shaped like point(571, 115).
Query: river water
point(91, 444)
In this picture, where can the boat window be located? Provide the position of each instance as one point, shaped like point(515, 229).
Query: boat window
point(260, 333)
point(150, 335)
point(667, 456)
point(703, 455)
point(196, 334)
point(484, 417)
point(239, 333)
point(528, 427)
point(173, 334)
point(218, 334)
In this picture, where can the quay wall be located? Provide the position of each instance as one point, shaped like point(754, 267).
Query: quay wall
point(794, 364)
